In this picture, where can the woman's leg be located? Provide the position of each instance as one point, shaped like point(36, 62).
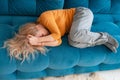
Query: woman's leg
point(80, 35)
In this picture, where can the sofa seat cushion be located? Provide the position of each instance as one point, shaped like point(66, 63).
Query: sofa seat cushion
point(63, 59)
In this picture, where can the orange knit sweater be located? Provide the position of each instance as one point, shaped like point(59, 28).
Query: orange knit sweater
point(58, 22)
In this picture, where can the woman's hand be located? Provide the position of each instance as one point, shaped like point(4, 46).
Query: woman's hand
point(33, 40)
point(47, 38)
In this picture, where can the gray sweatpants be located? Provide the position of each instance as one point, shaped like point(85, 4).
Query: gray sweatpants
point(80, 35)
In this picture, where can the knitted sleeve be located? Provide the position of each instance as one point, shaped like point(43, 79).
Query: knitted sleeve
point(47, 20)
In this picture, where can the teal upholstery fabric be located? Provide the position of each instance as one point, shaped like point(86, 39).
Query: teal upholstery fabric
point(64, 59)
point(28, 8)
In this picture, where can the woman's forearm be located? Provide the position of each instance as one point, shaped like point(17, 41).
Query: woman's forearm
point(50, 43)
point(46, 38)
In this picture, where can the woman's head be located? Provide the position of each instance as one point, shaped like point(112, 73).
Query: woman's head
point(33, 29)
point(19, 46)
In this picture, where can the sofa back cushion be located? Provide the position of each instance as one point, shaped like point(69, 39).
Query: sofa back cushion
point(97, 6)
point(36, 7)
point(28, 7)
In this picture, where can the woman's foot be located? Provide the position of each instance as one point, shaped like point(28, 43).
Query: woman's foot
point(112, 43)
point(111, 47)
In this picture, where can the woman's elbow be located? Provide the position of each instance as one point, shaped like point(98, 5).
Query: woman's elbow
point(59, 42)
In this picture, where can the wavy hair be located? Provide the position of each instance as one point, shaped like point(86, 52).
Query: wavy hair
point(19, 46)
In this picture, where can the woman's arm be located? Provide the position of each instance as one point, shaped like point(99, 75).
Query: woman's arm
point(47, 19)
point(33, 40)
point(50, 43)
point(40, 39)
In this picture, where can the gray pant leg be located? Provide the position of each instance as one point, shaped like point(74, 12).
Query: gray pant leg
point(80, 35)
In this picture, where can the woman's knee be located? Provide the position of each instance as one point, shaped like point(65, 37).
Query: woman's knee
point(85, 12)
point(79, 36)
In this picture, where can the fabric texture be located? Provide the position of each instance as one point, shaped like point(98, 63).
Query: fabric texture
point(64, 59)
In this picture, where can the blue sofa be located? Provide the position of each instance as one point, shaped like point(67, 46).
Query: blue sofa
point(65, 59)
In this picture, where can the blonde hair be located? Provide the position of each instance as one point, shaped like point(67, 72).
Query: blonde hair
point(19, 46)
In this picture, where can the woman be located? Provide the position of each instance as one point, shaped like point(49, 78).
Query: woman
point(52, 25)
